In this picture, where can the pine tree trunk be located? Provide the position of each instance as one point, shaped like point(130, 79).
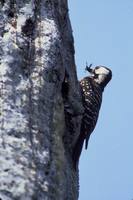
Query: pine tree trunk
point(40, 101)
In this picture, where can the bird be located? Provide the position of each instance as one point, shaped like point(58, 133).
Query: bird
point(92, 88)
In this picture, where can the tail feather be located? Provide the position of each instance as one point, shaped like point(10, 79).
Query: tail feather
point(79, 145)
point(86, 141)
point(77, 150)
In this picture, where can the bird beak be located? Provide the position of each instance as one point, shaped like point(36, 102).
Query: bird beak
point(89, 69)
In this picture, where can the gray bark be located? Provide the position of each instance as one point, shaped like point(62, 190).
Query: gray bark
point(40, 102)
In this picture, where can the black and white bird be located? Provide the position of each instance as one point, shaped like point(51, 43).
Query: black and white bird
point(92, 88)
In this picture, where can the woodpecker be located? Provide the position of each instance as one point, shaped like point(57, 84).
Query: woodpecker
point(92, 88)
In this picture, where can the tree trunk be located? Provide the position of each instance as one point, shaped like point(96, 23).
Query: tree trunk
point(40, 101)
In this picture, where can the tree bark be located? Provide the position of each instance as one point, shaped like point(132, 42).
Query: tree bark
point(40, 101)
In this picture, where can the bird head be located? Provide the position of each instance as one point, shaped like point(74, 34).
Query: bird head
point(100, 74)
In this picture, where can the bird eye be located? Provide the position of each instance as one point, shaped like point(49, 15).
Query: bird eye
point(96, 76)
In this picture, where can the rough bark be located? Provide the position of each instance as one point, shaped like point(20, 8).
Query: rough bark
point(40, 103)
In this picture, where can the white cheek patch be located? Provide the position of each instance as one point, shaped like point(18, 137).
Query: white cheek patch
point(102, 70)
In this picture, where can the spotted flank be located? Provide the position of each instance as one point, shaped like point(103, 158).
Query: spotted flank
point(92, 99)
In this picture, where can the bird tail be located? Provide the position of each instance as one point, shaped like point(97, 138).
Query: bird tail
point(77, 150)
point(86, 141)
